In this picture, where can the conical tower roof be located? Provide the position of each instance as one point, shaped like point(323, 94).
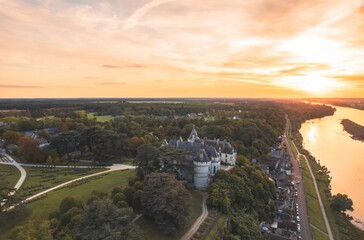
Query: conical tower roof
point(193, 134)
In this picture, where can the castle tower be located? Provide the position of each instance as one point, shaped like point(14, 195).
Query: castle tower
point(202, 170)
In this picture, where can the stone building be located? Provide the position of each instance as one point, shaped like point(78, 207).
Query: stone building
point(206, 155)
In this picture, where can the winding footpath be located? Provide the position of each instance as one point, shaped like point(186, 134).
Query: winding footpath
point(23, 174)
point(114, 167)
point(199, 220)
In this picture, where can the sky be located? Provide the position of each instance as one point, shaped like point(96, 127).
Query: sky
point(181, 48)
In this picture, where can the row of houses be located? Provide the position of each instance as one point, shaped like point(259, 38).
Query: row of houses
point(279, 168)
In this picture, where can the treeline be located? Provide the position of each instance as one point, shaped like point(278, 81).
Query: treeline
point(246, 195)
point(299, 112)
point(254, 128)
point(356, 130)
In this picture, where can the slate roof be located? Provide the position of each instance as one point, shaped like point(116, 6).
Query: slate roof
point(201, 149)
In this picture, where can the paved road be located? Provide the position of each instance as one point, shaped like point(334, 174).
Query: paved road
point(199, 220)
point(301, 200)
point(23, 174)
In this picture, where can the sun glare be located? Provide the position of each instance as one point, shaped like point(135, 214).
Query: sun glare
point(312, 83)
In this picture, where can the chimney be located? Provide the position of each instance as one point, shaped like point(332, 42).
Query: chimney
point(201, 154)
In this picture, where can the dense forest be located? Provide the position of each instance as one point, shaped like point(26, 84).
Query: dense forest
point(246, 195)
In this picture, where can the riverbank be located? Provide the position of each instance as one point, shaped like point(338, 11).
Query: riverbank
point(341, 225)
point(355, 130)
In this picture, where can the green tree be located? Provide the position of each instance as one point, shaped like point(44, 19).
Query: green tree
point(31, 231)
point(65, 142)
point(147, 160)
point(104, 144)
point(245, 225)
point(220, 196)
point(68, 203)
point(341, 203)
point(103, 220)
point(166, 201)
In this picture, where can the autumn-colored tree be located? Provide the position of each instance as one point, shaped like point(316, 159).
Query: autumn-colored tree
point(30, 151)
point(11, 137)
point(44, 134)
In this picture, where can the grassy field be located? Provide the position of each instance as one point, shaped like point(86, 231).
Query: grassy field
point(46, 117)
point(217, 228)
point(314, 212)
point(294, 150)
point(318, 235)
point(9, 175)
point(43, 207)
point(39, 179)
point(151, 231)
point(105, 118)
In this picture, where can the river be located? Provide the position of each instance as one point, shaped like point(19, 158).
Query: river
point(326, 140)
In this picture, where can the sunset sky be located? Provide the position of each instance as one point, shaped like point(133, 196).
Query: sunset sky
point(181, 48)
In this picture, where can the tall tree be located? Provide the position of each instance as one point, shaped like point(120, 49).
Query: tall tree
point(30, 151)
point(341, 203)
point(147, 160)
point(11, 137)
point(166, 201)
point(103, 220)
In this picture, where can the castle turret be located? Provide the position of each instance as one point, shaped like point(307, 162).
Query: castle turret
point(202, 170)
point(193, 135)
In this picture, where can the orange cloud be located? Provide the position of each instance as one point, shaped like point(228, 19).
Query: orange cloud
point(165, 48)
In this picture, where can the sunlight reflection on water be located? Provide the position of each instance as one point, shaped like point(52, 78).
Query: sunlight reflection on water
point(325, 139)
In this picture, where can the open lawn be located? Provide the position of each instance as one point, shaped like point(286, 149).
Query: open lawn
point(39, 179)
point(9, 175)
point(318, 235)
point(43, 207)
point(151, 231)
point(105, 118)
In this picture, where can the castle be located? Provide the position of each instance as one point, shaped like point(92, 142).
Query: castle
point(204, 156)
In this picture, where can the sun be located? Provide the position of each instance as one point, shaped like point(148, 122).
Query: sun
point(313, 84)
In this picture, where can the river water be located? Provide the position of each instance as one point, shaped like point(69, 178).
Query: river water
point(326, 140)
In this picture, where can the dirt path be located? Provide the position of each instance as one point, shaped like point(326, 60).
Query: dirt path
point(199, 220)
